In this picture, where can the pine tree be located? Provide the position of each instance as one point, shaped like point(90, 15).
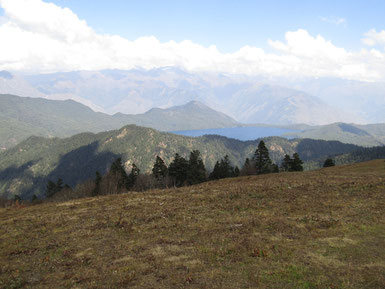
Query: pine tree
point(50, 189)
point(329, 163)
point(262, 159)
point(196, 172)
point(98, 180)
point(223, 169)
point(131, 179)
point(286, 163)
point(216, 173)
point(297, 163)
point(118, 174)
point(248, 168)
point(177, 170)
point(159, 171)
point(236, 172)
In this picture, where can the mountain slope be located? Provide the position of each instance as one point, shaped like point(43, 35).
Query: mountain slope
point(26, 168)
point(318, 229)
point(22, 117)
point(363, 135)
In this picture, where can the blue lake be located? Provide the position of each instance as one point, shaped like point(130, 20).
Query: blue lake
point(240, 133)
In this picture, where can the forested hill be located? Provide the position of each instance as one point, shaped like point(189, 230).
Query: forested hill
point(21, 117)
point(26, 168)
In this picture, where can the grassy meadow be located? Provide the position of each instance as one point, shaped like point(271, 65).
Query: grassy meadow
point(315, 229)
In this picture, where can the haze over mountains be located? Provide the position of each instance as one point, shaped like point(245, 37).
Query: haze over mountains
point(246, 99)
point(22, 117)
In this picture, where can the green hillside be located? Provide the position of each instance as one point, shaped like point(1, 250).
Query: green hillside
point(362, 135)
point(317, 229)
point(21, 117)
point(26, 168)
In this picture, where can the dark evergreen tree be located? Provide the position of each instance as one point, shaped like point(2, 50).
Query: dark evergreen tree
point(17, 198)
point(262, 159)
point(118, 174)
point(60, 185)
point(50, 189)
point(223, 169)
point(216, 173)
point(297, 163)
point(131, 180)
point(177, 170)
point(329, 163)
point(248, 168)
point(236, 172)
point(53, 188)
point(286, 163)
point(34, 198)
point(98, 180)
point(159, 171)
point(196, 172)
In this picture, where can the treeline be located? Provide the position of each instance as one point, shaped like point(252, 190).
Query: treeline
point(180, 172)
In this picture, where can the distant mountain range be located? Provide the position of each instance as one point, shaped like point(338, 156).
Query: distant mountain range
point(246, 99)
point(26, 168)
point(22, 117)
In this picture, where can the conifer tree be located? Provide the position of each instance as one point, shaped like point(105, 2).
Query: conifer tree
point(216, 173)
point(328, 163)
point(223, 169)
point(236, 172)
point(196, 172)
point(159, 171)
point(286, 163)
point(177, 170)
point(262, 159)
point(297, 163)
point(117, 177)
point(248, 168)
point(98, 179)
point(131, 179)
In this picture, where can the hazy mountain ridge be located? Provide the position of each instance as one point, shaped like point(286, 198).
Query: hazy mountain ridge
point(136, 91)
point(22, 117)
point(363, 135)
point(26, 168)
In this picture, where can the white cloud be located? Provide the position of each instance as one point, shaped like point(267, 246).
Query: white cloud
point(333, 20)
point(373, 38)
point(42, 37)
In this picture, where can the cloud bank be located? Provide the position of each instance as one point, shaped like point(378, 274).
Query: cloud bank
point(43, 37)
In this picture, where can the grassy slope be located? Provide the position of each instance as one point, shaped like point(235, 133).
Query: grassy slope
point(317, 229)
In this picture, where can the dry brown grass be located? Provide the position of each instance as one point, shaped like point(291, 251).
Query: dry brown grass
point(319, 229)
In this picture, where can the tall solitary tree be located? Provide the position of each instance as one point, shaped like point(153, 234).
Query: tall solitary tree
point(262, 159)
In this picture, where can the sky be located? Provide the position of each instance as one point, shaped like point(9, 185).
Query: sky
point(344, 39)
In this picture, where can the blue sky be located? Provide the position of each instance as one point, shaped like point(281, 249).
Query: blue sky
point(343, 39)
point(231, 24)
